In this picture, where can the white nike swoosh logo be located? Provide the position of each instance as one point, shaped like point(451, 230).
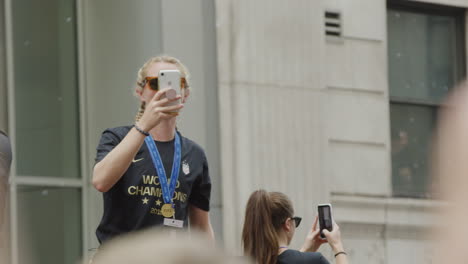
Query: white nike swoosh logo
point(134, 160)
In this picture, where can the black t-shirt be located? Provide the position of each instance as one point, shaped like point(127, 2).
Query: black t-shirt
point(291, 256)
point(135, 201)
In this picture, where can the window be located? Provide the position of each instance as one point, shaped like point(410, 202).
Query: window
point(425, 59)
point(46, 183)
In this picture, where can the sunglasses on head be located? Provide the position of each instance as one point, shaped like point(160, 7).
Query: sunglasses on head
point(297, 220)
point(154, 85)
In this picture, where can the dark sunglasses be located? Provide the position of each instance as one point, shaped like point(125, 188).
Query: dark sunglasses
point(154, 85)
point(297, 220)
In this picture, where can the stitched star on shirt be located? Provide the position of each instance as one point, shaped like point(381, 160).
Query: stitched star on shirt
point(157, 202)
point(145, 201)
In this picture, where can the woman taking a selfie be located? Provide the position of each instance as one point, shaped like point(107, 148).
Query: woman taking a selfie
point(149, 174)
point(269, 227)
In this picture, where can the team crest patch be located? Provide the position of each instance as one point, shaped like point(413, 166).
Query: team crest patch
point(185, 167)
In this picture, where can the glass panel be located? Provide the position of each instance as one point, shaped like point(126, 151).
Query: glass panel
point(421, 54)
point(411, 129)
point(46, 91)
point(50, 225)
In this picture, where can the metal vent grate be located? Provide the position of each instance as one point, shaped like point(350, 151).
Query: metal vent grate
point(332, 24)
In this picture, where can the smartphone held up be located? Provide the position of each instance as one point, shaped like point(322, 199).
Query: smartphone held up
point(171, 79)
point(325, 218)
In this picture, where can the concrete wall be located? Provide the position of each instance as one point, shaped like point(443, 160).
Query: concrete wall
point(271, 57)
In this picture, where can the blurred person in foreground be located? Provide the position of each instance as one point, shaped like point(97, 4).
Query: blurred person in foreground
point(5, 162)
point(157, 246)
point(269, 227)
point(450, 171)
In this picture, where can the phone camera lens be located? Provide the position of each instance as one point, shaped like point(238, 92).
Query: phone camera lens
point(162, 73)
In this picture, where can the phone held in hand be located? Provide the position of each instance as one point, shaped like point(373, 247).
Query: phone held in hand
point(170, 79)
point(325, 218)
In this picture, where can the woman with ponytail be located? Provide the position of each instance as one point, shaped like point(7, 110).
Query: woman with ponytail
point(149, 174)
point(269, 227)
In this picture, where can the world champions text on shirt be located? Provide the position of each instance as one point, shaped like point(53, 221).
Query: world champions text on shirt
point(135, 201)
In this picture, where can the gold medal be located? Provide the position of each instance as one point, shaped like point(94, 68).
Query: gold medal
point(167, 210)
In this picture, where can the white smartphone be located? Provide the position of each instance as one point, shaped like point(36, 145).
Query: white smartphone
point(171, 79)
point(325, 218)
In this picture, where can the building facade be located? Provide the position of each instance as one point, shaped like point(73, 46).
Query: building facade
point(335, 101)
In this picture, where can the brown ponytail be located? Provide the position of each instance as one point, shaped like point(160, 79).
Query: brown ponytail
point(264, 216)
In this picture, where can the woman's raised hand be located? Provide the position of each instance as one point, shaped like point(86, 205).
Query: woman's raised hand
point(157, 110)
point(334, 238)
point(313, 240)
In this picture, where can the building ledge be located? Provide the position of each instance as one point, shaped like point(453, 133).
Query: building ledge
point(388, 211)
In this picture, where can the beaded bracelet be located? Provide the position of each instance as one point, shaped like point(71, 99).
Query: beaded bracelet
point(141, 130)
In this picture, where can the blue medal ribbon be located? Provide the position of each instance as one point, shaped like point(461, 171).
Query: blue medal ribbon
point(168, 189)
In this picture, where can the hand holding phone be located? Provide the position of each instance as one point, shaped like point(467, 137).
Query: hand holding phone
point(325, 218)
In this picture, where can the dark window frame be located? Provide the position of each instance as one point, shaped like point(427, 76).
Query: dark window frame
point(460, 49)
point(460, 41)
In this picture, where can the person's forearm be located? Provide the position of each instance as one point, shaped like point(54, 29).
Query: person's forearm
point(209, 231)
point(110, 169)
point(200, 220)
point(206, 228)
point(340, 258)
